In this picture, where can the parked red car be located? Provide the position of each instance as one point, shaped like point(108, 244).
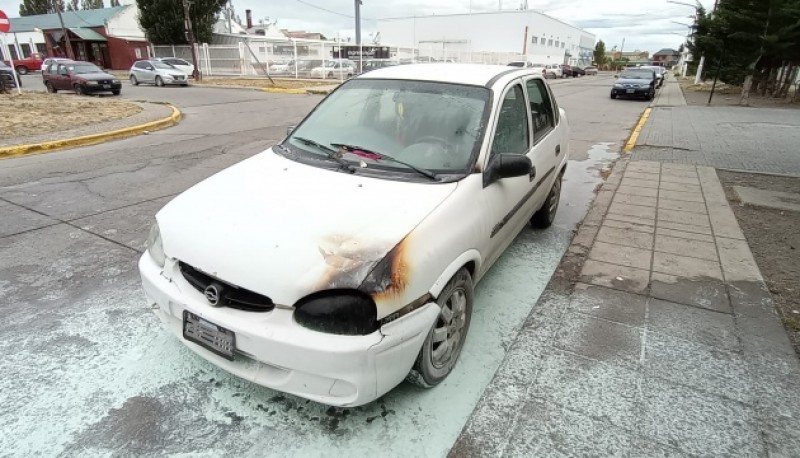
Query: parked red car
point(31, 63)
point(81, 77)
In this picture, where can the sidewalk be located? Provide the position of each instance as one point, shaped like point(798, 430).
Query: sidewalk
point(667, 345)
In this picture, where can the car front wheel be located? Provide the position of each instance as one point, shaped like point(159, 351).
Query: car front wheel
point(78, 89)
point(50, 88)
point(613, 95)
point(445, 340)
point(134, 81)
point(547, 214)
point(22, 70)
point(159, 81)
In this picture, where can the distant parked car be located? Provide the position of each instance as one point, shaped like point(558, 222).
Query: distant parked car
point(81, 77)
point(519, 63)
point(635, 82)
point(181, 64)
point(334, 69)
point(566, 71)
point(7, 76)
point(658, 70)
point(374, 64)
point(553, 71)
point(156, 72)
point(590, 70)
point(50, 60)
point(31, 63)
point(578, 71)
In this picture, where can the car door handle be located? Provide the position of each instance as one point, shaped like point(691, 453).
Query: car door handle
point(558, 150)
point(532, 173)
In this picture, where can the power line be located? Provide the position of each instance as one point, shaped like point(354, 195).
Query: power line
point(325, 9)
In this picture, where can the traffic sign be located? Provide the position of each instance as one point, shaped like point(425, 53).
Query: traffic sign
point(5, 24)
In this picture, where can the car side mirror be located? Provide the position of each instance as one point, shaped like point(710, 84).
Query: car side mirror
point(505, 165)
point(149, 68)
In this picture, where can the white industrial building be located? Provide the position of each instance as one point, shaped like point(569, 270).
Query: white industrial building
point(517, 34)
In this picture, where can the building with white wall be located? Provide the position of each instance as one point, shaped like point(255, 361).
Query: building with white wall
point(528, 34)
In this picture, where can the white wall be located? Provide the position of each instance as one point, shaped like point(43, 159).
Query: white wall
point(22, 38)
point(501, 31)
point(125, 24)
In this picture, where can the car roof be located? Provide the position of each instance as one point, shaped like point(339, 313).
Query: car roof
point(471, 74)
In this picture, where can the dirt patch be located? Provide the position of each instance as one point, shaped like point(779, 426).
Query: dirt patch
point(775, 241)
point(264, 82)
point(725, 95)
point(33, 113)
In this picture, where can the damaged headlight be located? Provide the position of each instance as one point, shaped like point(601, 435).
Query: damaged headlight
point(155, 246)
point(344, 312)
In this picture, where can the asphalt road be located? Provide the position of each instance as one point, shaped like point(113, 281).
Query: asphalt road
point(88, 370)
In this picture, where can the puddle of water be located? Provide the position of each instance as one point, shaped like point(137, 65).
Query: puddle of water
point(580, 181)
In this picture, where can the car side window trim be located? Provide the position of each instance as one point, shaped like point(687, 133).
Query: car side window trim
point(540, 135)
point(496, 121)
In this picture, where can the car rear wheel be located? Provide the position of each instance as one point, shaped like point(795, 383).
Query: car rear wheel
point(116, 92)
point(134, 81)
point(50, 88)
point(330, 75)
point(22, 70)
point(159, 81)
point(544, 217)
point(445, 340)
point(78, 89)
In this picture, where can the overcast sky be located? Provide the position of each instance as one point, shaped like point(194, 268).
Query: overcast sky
point(645, 24)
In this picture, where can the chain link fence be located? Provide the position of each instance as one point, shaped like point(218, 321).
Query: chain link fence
point(310, 59)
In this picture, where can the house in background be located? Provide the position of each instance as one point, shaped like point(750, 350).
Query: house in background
point(667, 57)
point(108, 37)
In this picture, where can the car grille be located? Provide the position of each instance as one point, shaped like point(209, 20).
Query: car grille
point(104, 82)
point(230, 295)
point(180, 78)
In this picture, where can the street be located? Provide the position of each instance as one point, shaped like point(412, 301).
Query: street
point(88, 369)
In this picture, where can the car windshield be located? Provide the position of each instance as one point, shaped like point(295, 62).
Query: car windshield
point(429, 125)
point(84, 68)
point(331, 63)
point(162, 65)
point(636, 75)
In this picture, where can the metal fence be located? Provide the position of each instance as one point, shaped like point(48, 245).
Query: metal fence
point(296, 58)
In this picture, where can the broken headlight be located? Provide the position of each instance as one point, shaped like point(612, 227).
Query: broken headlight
point(344, 312)
point(155, 246)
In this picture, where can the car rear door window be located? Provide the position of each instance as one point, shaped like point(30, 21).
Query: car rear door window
point(512, 134)
point(541, 107)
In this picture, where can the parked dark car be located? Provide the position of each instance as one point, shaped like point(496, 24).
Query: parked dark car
point(636, 83)
point(590, 70)
point(7, 76)
point(578, 71)
point(81, 77)
point(566, 71)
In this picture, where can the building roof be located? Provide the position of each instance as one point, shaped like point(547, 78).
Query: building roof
point(87, 34)
point(72, 19)
point(471, 74)
point(666, 52)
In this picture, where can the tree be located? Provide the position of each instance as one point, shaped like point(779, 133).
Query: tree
point(600, 53)
point(163, 21)
point(32, 7)
point(92, 4)
point(114, 3)
point(72, 5)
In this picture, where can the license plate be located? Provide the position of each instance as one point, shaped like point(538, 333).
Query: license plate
point(106, 86)
point(629, 91)
point(209, 335)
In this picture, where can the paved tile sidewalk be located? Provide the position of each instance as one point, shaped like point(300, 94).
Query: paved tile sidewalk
point(668, 346)
point(670, 95)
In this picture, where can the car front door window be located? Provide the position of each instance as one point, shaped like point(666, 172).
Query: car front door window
point(512, 134)
point(542, 113)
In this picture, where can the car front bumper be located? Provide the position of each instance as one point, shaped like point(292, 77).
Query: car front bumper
point(645, 92)
point(95, 88)
point(176, 82)
point(274, 351)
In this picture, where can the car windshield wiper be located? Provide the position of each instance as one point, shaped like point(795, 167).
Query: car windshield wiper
point(330, 152)
point(364, 152)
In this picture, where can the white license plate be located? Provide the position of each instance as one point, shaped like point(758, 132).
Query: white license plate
point(106, 86)
point(630, 91)
point(209, 335)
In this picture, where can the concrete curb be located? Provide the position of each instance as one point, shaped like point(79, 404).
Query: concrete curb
point(631, 142)
point(19, 150)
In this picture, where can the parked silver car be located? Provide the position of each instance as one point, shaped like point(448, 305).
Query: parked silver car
point(156, 72)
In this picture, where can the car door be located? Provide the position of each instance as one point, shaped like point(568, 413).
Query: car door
point(61, 79)
point(507, 201)
point(147, 72)
point(547, 149)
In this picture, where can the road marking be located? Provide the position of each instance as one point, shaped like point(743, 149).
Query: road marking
point(637, 130)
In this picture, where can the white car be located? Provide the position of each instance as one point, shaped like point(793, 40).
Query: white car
point(46, 63)
point(334, 69)
point(156, 72)
point(342, 261)
point(553, 71)
point(183, 65)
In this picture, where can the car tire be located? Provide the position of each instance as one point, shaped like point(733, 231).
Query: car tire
point(78, 89)
point(544, 218)
point(50, 88)
point(134, 81)
point(22, 70)
point(159, 81)
point(117, 92)
point(613, 95)
point(330, 75)
point(446, 337)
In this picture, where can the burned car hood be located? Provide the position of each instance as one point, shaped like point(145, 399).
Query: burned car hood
point(632, 81)
point(286, 229)
point(95, 76)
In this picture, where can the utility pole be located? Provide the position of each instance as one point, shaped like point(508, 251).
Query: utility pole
point(188, 21)
point(358, 36)
point(64, 31)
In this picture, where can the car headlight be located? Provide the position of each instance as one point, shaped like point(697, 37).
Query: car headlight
point(92, 83)
point(344, 312)
point(155, 247)
point(115, 81)
point(618, 86)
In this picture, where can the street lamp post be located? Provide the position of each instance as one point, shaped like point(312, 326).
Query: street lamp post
point(64, 31)
point(696, 7)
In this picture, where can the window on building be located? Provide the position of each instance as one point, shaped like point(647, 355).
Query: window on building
point(41, 48)
point(12, 52)
point(550, 42)
point(556, 43)
point(534, 40)
point(562, 45)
